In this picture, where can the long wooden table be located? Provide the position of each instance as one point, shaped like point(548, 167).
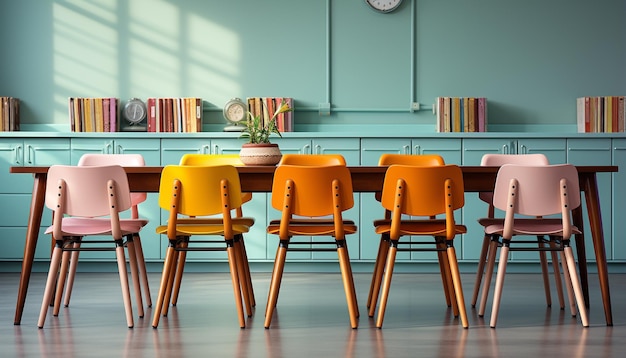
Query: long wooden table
point(365, 179)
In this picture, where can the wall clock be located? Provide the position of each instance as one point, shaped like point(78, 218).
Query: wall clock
point(384, 6)
point(135, 115)
point(235, 113)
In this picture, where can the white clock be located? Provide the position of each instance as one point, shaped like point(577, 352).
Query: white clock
point(384, 6)
point(235, 112)
point(135, 114)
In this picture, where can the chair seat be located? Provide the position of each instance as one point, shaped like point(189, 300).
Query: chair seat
point(414, 227)
point(202, 229)
point(313, 227)
point(531, 227)
point(75, 226)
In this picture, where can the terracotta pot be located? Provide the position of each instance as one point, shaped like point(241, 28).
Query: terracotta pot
point(260, 154)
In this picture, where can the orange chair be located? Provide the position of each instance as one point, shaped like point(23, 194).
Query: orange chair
point(197, 192)
point(423, 192)
point(87, 201)
point(210, 160)
point(381, 257)
point(307, 196)
point(529, 194)
point(312, 159)
point(499, 160)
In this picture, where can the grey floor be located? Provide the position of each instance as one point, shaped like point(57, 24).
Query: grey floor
point(311, 321)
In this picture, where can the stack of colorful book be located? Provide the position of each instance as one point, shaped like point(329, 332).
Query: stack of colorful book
point(265, 107)
point(600, 114)
point(461, 114)
point(9, 114)
point(93, 114)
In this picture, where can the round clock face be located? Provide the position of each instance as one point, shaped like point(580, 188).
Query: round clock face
point(384, 6)
point(235, 110)
point(135, 110)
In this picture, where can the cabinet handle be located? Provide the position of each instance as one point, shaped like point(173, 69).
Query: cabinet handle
point(505, 149)
point(207, 149)
point(417, 150)
point(108, 148)
point(306, 149)
point(30, 157)
point(18, 154)
point(120, 149)
point(523, 149)
point(318, 149)
point(407, 149)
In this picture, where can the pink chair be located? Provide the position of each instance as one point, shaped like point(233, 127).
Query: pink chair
point(125, 160)
point(87, 201)
point(487, 197)
point(528, 194)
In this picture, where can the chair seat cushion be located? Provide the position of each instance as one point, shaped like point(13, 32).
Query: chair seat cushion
point(312, 227)
point(80, 226)
point(531, 227)
point(418, 227)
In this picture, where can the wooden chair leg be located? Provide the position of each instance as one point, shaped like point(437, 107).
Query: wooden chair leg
point(277, 276)
point(384, 296)
point(458, 286)
point(544, 271)
point(71, 275)
point(51, 281)
point(377, 276)
point(497, 294)
point(234, 275)
point(61, 281)
point(134, 274)
point(557, 275)
point(486, 285)
point(379, 264)
point(178, 274)
point(350, 276)
point(168, 267)
point(578, 292)
point(247, 272)
point(143, 273)
point(348, 284)
point(480, 271)
point(243, 279)
point(446, 278)
point(121, 266)
point(568, 285)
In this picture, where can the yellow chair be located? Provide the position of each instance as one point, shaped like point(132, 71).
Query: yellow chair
point(307, 196)
point(381, 256)
point(423, 192)
point(211, 160)
point(196, 192)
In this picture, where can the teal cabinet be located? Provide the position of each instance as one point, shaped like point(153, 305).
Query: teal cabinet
point(473, 151)
point(16, 191)
point(595, 151)
point(618, 209)
point(371, 150)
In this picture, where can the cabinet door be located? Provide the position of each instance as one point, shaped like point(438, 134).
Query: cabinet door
point(16, 193)
point(595, 151)
point(149, 148)
point(173, 149)
point(619, 191)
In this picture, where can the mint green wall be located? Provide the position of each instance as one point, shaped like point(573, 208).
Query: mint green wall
point(530, 58)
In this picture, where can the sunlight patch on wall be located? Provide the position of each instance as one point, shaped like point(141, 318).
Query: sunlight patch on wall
point(85, 51)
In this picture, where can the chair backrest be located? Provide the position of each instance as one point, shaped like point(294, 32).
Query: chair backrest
point(211, 159)
point(312, 159)
point(200, 189)
point(536, 190)
point(497, 160)
point(410, 159)
point(83, 191)
point(314, 189)
point(124, 160)
point(215, 159)
point(425, 191)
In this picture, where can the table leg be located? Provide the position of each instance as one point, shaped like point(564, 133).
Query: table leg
point(32, 232)
point(581, 252)
point(590, 186)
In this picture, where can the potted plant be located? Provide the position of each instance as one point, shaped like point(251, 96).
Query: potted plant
point(259, 150)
